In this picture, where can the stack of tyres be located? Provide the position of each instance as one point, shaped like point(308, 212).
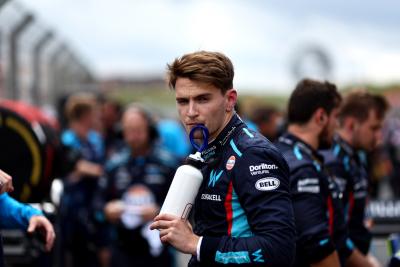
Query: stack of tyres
point(29, 148)
point(30, 153)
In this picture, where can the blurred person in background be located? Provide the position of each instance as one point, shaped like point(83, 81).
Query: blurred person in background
point(268, 120)
point(360, 122)
point(131, 192)
point(321, 230)
point(173, 138)
point(15, 215)
point(391, 149)
point(110, 116)
point(84, 156)
point(246, 119)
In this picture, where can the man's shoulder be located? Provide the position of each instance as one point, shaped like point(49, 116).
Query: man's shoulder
point(330, 158)
point(252, 144)
point(297, 161)
point(70, 139)
point(251, 140)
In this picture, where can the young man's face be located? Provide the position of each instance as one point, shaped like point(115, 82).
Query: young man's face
point(200, 103)
point(135, 128)
point(366, 134)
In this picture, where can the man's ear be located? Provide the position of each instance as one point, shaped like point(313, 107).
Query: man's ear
point(320, 116)
point(231, 98)
point(351, 124)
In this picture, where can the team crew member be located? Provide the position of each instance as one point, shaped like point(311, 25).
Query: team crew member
point(360, 122)
point(130, 194)
point(243, 213)
point(14, 214)
point(84, 157)
point(321, 232)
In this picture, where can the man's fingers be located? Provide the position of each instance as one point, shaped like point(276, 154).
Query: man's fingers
point(161, 225)
point(32, 225)
point(165, 238)
point(42, 222)
point(5, 182)
point(164, 232)
point(165, 217)
point(50, 237)
point(9, 188)
point(5, 175)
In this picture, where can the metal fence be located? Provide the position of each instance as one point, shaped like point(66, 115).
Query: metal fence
point(36, 64)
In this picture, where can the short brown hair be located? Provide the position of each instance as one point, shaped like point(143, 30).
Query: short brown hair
point(206, 67)
point(358, 104)
point(308, 96)
point(79, 105)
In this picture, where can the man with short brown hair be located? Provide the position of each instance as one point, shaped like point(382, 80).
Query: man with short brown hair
point(243, 212)
point(360, 121)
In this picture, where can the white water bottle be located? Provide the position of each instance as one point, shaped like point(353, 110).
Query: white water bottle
point(184, 188)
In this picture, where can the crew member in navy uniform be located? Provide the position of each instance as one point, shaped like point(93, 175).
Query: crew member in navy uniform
point(360, 123)
point(83, 160)
point(243, 213)
point(130, 194)
point(321, 232)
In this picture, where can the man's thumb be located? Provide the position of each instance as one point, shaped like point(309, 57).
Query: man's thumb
point(32, 226)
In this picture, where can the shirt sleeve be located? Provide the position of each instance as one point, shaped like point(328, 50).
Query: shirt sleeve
point(262, 224)
point(14, 214)
point(311, 206)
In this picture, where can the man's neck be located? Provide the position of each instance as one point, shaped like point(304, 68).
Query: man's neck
point(306, 134)
point(227, 119)
point(140, 151)
point(80, 130)
point(346, 136)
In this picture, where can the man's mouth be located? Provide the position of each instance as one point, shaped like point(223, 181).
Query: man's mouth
point(191, 125)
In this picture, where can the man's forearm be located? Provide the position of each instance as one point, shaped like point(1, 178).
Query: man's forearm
point(14, 214)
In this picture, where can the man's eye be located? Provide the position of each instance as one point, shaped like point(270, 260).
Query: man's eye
point(181, 101)
point(203, 99)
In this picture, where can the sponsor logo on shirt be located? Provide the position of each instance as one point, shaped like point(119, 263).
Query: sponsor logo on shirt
point(211, 197)
point(267, 184)
point(262, 168)
point(230, 163)
point(214, 177)
point(308, 185)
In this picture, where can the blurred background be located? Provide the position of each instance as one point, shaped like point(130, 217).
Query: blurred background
point(118, 51)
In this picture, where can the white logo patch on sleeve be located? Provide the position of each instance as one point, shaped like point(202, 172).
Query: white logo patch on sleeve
point(308, 185)
point(267, 184)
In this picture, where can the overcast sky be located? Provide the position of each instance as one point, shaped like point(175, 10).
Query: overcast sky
point(263, 38)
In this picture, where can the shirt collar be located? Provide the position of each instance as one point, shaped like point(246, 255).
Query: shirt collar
point(343, 144)
point(294, 141)
point(216, 146)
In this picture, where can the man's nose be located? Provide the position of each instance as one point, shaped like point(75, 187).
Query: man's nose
point(192, 111)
